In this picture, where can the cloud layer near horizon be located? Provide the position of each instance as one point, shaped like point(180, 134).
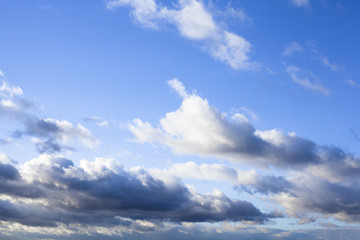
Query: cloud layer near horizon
point(50, 190)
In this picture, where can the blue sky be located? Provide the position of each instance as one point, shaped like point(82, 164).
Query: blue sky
point(180, 119)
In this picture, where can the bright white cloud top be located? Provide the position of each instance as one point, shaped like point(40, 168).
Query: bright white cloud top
point(255, 135)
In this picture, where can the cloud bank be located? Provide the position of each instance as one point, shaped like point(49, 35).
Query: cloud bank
point(50, 190)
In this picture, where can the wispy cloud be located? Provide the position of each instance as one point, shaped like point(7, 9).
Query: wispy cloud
point(323, 59)
point(193, 21)
point(300, 3)
point(304, 81)
point(352, 83)
point(291, 48)
point(98, 121)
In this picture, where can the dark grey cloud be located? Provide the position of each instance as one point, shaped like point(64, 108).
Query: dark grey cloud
point(98, 195)
point(266, 185)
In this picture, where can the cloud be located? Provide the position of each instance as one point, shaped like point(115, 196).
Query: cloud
point(249, 181)
point(198, 128)
point(300, 3)
point(51, 135)
point(50, 190)
point(12, 103)
point(98, 121)
point(193, 21)
point(318, 179)
point(292, 48)
point(294, 72)
point(326, 189)
point(48, 135)
point(323, 59)
point(352, 83)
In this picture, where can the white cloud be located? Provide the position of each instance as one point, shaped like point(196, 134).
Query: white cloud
point(178, 87)
point(98, 121)
point(10, 91)
point(293, 71)
point(1, 73)
point(352, 83)
point(301, 3)
point(195, 22)
point(334, 67)
point(192, 20)
point(199, 128)
point(323, 59)
point(143, 11)
point(292, 48)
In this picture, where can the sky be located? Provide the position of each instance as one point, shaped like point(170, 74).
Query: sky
point(181, 119)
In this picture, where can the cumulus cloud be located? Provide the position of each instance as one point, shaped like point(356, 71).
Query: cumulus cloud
point(321, 179)
point(199, 128)
point(195, 22)
point(50, 190)
point(304, 81)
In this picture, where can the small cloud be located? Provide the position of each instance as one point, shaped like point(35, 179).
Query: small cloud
point(352, 83)
point(250, 113)
point(323, 59)
point(51, 9)
point(334, 67)
point(292, 48)
point(98, 121)
point(300, 3)
point(294, 72)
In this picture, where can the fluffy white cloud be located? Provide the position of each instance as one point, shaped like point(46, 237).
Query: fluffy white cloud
point(199, 128)
point(195, 22)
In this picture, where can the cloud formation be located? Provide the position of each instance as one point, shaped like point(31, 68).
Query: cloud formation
point(304, 81)
point(198, 128)
point(328, 189)
point(49, 135)
point(300, 3)
point(50, 190)
point(318, 179)
point(193, 21)
point(291, 48)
